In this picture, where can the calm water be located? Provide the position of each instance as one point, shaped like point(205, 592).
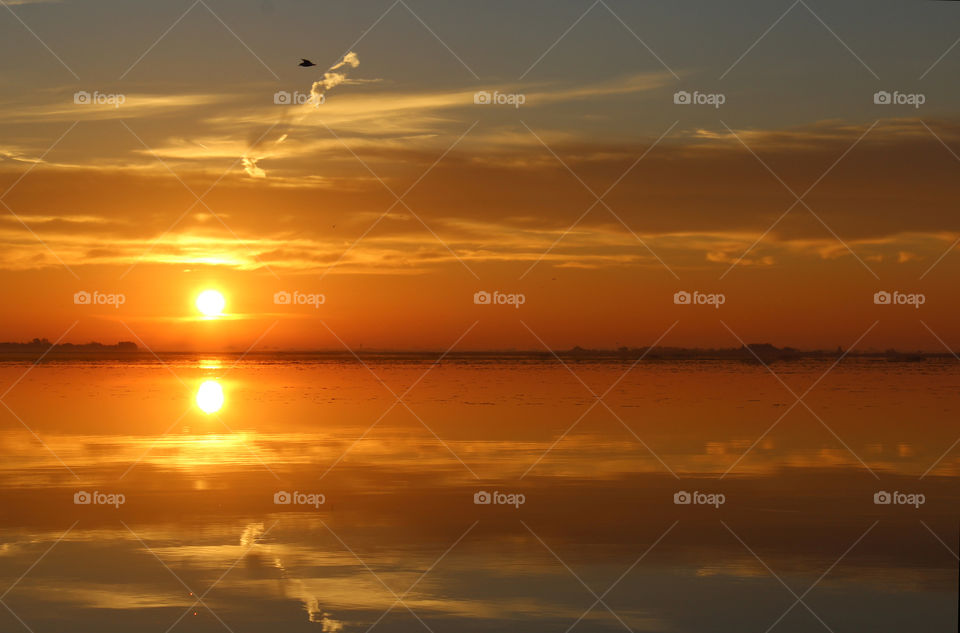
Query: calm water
point(588, 537)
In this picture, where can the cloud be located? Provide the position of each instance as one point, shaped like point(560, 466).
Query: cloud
point(135, 105)
point(697, 201)
point(318, 91)
point(332, 79)
point(199, 130)
point(383, 113)
point(250, 166)
point(350, 59)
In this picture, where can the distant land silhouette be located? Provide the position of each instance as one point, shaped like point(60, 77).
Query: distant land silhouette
point(43, 345)
point(750, 353)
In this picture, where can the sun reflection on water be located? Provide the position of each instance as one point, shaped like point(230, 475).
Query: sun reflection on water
point(210, 396)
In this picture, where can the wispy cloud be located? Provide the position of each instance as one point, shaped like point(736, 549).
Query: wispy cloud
point(135, 105)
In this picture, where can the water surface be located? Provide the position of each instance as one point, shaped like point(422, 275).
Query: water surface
point(399, 450)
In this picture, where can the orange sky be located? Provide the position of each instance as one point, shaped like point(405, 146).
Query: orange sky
point(598, 198)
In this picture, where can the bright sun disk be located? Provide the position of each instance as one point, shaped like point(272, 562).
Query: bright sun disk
point(211, 303)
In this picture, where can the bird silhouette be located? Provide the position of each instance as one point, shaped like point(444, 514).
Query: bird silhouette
point(306, 63)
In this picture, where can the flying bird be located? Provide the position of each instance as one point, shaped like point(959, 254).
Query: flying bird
point(306, 63)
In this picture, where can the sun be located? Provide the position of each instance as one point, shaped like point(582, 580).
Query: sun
point(211, 303)
point(210, 396)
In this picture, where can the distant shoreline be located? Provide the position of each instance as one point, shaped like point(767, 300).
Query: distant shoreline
point(763, 351)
